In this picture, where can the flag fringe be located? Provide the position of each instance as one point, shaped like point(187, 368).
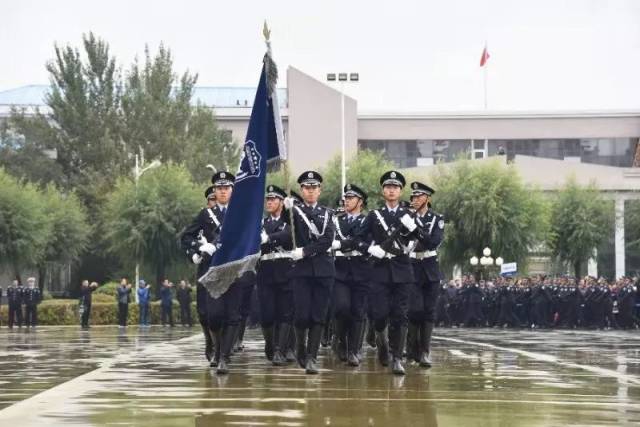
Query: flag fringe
point(218, 279)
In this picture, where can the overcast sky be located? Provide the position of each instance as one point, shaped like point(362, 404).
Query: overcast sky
point(411, 55)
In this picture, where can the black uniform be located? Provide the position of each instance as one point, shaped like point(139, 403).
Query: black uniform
point(274, 290)
point(391, 278)
point(31, 297)
point(353, 274)
point(14, 300)
point(311, 278)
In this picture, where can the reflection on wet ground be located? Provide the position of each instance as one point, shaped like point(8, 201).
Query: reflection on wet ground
point(156, 377)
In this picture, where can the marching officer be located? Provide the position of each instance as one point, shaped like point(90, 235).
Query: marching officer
point(386, 234)
point(15, 293)
point(31, 297)
point(204, 228)
point(352, 277)
point(313, 271)
point(424, 258)
point(274, 290)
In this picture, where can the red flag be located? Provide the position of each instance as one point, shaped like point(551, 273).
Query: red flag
point(485, 57)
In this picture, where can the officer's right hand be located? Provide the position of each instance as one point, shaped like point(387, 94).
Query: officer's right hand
point(209, 248)
point(288, 202)
point(336, 244)
point(264, 237)
point(197, 259)
point(376, 251)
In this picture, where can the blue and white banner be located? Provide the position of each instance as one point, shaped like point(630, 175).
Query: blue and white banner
point(239, 240)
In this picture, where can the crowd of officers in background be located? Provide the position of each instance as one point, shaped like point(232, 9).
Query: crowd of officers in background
point(23, 303)
point(540, 302)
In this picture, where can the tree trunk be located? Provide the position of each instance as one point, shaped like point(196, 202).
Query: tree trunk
point(16, 272)
point(42, 274)
point(160, 272)
point(576, 269)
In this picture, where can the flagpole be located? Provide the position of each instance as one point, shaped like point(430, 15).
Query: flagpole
point(486, 67)
point(266, 32)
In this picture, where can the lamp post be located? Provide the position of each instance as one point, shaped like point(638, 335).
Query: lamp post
point(342, 78)
point(137, 173)
point(485, 260)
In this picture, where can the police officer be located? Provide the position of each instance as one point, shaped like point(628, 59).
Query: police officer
point(195, 241)
point(183, 295)
point(15, 293)
point(429, 230)
point(32, 297)
point(386, 234)
point(313, 271)
point(352, 277)
point(274, 290)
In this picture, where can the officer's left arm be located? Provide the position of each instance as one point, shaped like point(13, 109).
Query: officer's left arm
point(431, 240)
point(282, 237)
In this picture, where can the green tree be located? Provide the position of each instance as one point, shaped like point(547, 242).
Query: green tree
point(145, 223)
point(632, 235)
point(159, 118)
point(25, 227)
point(69, 229)
point(487, 204)
point(363, 170)
point(579, 215)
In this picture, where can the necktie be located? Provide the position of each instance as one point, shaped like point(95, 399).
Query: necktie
point(224, 211)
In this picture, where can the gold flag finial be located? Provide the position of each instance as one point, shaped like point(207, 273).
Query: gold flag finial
point(266, 32)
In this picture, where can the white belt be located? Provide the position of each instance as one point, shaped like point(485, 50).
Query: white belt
point(275, 255)
point(350, 253)
point(423, 255)
point(388, 256)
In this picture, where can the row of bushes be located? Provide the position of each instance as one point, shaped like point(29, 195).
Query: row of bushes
point(65, 312)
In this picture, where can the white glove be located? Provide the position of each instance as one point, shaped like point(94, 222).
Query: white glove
point(336, 244)
point(376, 251)
point(197, 259)
point(264, 237)
point(208, 248)
point(288, 202)
point(297, 254)
point(202, 240)
point(408, 222)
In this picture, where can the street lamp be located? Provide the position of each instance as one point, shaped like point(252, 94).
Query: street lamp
point(137, 173)
point(342, 78)
point(486, 260)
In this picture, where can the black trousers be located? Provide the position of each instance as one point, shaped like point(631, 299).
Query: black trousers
point(389, 304)
point(350, 300)
point(422, 301)
point(123, 313)
point(225, 310)
point(86, 314)
point(185, 314)
point(31, 315)
point(311, 297)
point(15, 314)
point(276, 302)
point(166, 314)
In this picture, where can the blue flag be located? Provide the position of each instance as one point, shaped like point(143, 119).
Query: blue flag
point(239, 240)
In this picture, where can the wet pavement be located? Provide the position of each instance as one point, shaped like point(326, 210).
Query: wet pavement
point(157, 377)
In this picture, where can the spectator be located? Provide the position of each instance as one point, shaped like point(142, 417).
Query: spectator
point(124, 296)
point(166, 303)
point(184, 298)
point(15, 294)
point(143, 302)
point(32, 297)
point(86, 290)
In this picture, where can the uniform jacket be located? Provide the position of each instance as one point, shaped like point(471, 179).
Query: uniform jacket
point(317, 261)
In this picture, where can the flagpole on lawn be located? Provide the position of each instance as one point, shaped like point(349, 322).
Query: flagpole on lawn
point(486, 68)
point(266, 32)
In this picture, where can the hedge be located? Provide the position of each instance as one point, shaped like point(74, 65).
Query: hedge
point(65, 312)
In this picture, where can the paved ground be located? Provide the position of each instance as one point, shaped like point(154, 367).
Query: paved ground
point(156, 377)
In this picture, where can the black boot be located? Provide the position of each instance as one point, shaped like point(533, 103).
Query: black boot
point(301, 347)
point(412, 343)
point(208, 342)
point(315, 335)
point(279, 358)
point(354, 343)
point(426, 330)
point(327, 333)
point(399, 339)
point(216, 336)
point(268, 342)
point(371, 335)
point(229, 336)
point(382, 343)
point(290, 353)
point(340, 338)
point(239, 341)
